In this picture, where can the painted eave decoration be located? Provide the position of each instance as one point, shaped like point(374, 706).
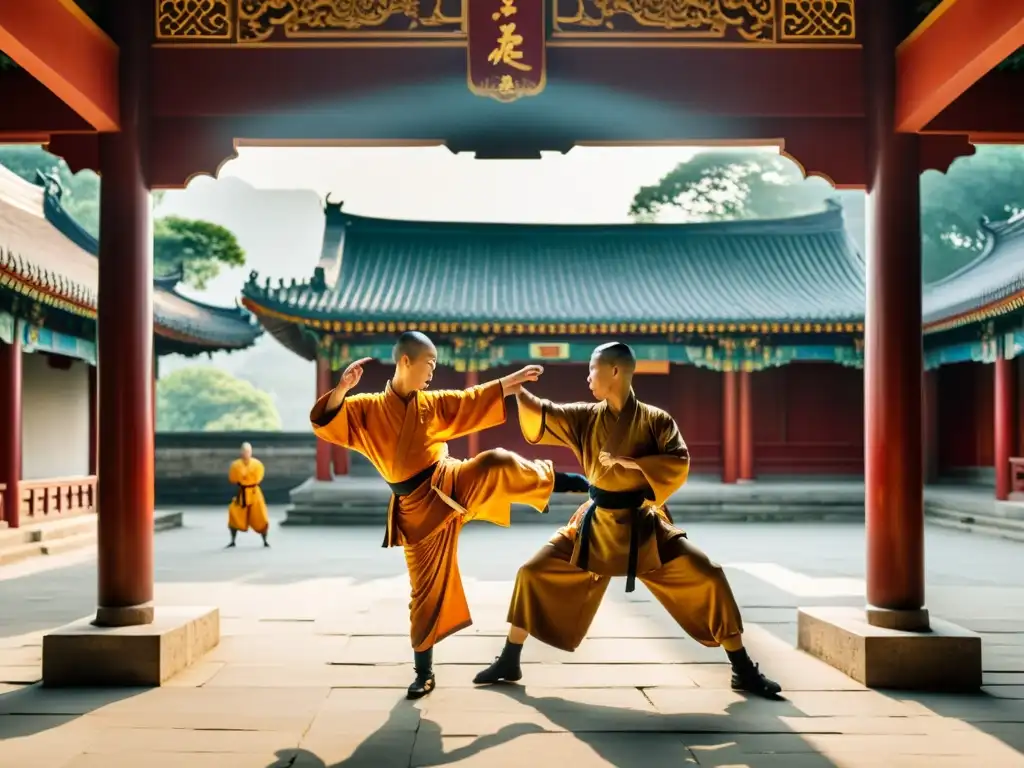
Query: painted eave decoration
point(48, 258)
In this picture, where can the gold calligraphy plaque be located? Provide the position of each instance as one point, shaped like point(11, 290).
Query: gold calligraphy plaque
point(506, 48)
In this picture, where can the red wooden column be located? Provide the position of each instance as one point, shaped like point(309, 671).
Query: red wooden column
point(746, 427)
point(339, 454)
point(323, 449)
point(893, 355)
point(93, 421)
point(10, 428)
point(1005, 422)
point(472, 440)
point(730, 427)
point(930, 425)
point(125, 340)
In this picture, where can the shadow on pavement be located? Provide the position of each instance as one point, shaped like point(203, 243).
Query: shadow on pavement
point(35, 709)
point(622, 737)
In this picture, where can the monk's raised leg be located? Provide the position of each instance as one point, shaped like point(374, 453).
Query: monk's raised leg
point(696, 593)
point(554, 601)
point(489, 483)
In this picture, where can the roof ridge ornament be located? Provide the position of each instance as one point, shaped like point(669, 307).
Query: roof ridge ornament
point(51, 183)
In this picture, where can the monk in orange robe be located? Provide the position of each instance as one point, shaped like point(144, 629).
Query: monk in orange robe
point(248, 509)
point(635, 459)
point(403, 431)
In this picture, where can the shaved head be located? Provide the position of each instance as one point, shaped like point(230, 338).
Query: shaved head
point(412, 344)
point(618, 355)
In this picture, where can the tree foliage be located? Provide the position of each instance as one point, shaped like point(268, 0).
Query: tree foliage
point(724, 184)
point(199, 248)
point(203, 399)
point(196, 247)
point(749, 184)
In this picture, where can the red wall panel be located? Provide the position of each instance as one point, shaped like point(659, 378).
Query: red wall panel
point(966, 415)
point(808, 419)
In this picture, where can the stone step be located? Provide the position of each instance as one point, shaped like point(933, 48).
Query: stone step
point(165, 521)
point(55, 537)
point(64, 527)
point(68, 543)
point(18, 552)
point(989, 525)
point(14, 537)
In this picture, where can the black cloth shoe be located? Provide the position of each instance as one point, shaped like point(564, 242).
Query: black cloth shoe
point(505, 669)
point(570, 482)
point(424, 682)
point(747, 677)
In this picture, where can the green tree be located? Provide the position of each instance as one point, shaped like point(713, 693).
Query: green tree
point(747, 184)
point(730, 184)
point(198, 248)
point(202, 399)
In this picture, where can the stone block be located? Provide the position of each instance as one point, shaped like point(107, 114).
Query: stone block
point(144, 655)
point(946, 658)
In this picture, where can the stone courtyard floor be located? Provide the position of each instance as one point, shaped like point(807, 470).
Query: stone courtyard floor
point(314, 660)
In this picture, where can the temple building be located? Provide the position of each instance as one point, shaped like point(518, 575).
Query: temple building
point(973, 344)
point(48, 300)
point(750, 333)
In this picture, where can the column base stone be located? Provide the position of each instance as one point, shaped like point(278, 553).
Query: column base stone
point(945, 658)
point(83, 654)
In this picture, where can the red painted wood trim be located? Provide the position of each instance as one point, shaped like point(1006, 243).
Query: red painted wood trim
point(10, 430)
point(959, 42)
point(1005, 420)
point(62, 48)
point(323, 449)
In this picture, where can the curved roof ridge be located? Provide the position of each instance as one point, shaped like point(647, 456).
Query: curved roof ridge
point(827, 220)
point(999, 233)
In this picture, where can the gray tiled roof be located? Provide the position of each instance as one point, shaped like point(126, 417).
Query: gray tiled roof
point(997, 274)
point(802, 269)
point(41, 241)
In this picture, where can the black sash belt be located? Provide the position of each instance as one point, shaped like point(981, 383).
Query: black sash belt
point(407, 486)
point(243, 498)
point(631, 500)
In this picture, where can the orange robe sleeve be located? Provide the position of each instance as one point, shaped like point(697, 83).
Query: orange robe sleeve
point(342, 426)
point(545, 423)
point(461, 412)
point(666, 471)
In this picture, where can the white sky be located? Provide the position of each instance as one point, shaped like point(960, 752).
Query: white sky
point(589, 184)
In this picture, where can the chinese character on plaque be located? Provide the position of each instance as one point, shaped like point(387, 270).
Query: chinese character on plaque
point(506, 48)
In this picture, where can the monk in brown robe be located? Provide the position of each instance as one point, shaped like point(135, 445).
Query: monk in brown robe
point(403, 431)
point(635, 459)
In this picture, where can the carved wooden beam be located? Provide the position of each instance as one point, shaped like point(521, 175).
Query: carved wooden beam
point(951, 50)
point(56, 43)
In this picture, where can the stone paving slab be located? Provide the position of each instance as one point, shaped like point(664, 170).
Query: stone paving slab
point(314, 661)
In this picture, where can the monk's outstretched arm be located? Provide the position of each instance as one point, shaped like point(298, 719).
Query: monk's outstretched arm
point(545, 423)
point(462, 412)
point(337, 416)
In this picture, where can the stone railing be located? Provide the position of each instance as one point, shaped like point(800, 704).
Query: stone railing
point(52, 498)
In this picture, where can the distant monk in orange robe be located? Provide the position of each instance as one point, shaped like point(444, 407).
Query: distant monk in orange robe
point(636, 459)
point(248, 509)
point(403, 431)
